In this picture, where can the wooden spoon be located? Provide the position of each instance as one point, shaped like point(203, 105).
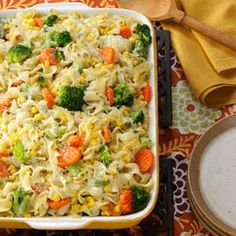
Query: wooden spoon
point(160, 10)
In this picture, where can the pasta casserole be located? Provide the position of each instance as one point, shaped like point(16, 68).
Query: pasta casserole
point(74, 122)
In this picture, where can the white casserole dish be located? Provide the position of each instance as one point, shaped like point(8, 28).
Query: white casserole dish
point(100, 222)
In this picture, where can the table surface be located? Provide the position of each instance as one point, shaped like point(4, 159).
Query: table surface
point(190, 120)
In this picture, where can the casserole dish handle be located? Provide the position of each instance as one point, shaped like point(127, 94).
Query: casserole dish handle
point(52, 224)
point(59, 6)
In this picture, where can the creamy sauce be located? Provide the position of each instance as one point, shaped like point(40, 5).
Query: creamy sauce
point(218, 176)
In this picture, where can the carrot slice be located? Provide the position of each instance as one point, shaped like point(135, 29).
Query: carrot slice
point(59, 204)
point(75, 141)
point(69, 156)
point(5, 101)
point(144, 158)
point(108, 55)
point(17, 83)
point(125, 32)
point(107, 133)
point(48, 97)
point(147, 93)
point(110, 95)
point(3, 154)
point(126, 201)
point(38, 22)
point(3, 169)
point(48, 54)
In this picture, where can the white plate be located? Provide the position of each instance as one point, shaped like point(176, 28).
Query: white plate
point(212, 175)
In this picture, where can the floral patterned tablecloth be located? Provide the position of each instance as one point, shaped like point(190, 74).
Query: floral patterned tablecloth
point(190, 120)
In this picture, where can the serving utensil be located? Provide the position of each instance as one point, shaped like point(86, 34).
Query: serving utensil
point(163, 10)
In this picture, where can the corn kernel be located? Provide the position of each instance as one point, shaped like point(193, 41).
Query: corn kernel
point(126, 55)
point(107, 189)
point(82, 79)
point(126, 158)
point(33, 153)
point(98, 65)
point(81, 115)
point(90, 201)
point(27, 215)
point(113, 171)
point(90, 37)
point(12, 169)
point(27, 15)
point(105, 213)
point(117, 209)
point(56, 197)
point(63, 118)
point(118, 122)
point(39, 117)
point(133, 39)
point(46, 63)
point(77, 207)
point(126, 113)
point(34, 110)
point(4, 145)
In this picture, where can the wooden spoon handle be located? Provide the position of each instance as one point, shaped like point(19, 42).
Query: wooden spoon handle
point(210, 32)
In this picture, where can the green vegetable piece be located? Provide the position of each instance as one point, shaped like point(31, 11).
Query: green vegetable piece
point(18, 53)
point(50, 42)
point(60, 55)
point(62, 38)
point(141, 49)
point(50, 20)
point(60, 131)
point(20, 201)
point(146, 142)
point(141, 198)
point(71, 97)
point(41, 81)
point(101, 183)
point(19, 152)
point(75, 169)
point(143, 31)
point(137, 116)
point(24, 87)
point(123, 96)
point(105, 155)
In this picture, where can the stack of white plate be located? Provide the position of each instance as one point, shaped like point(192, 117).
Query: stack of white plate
point(211, 183)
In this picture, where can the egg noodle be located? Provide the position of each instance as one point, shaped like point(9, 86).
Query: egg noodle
point(34, 133)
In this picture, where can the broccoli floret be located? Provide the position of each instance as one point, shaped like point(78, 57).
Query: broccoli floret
point(145, 39)
point(50, 20)
point(105, 155)
point(58, 39)
point(19, 152)
point(144, 34)
point(141, 198)
point(20, 201)
point(60, 55)
point(41, 81)
point(137, 116)
point(18, 53)
point(141, 49)
point(71, 97)
point(62, 38)
point(123, 96)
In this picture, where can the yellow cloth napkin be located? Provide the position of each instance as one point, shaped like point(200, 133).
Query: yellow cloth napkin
point(209, 67)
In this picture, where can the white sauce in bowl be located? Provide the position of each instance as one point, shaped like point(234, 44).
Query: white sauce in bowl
point(218, 176)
